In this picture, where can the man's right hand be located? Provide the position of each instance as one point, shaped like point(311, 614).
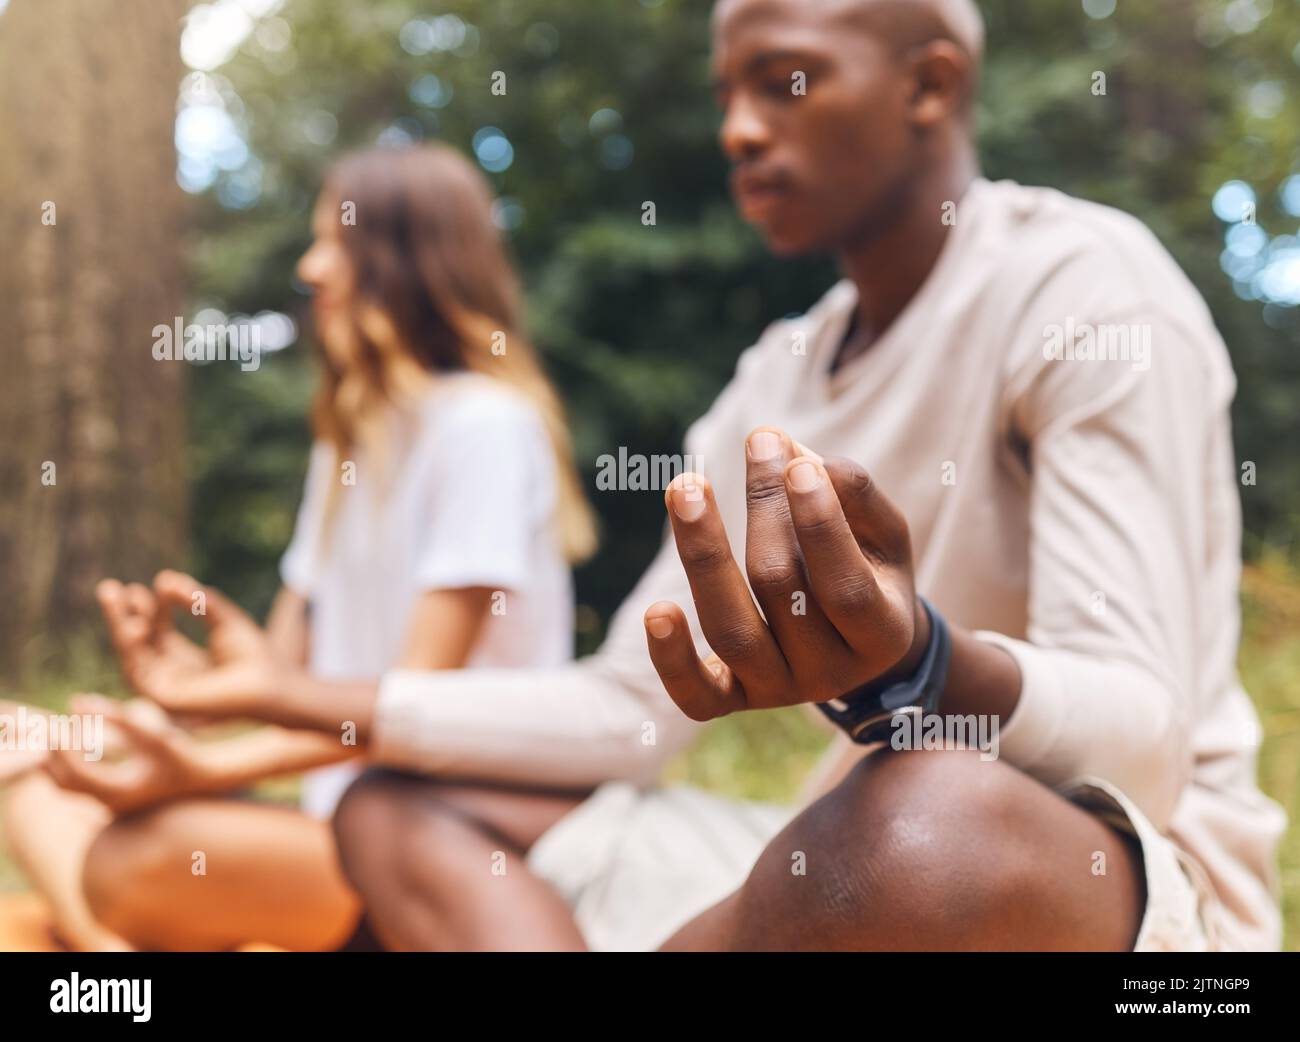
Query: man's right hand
point(229, 677)
point(828, 558)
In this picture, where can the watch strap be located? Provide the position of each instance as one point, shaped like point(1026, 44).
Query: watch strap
point(866, 714)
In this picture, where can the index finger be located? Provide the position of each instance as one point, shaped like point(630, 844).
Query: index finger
point(126, 629)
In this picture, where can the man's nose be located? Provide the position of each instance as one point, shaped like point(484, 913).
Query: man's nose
point(308, 269)
point(743, 133)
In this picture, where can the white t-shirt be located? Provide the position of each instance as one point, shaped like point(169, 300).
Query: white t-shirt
point(469, 500)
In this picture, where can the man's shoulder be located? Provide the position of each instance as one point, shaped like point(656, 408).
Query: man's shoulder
point(1081, 277)
point(1099, 256)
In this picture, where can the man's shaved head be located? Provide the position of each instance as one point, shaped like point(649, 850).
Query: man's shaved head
point(899, 24)
point(956, 20)
point(905, 21)
point(904, 24)
point(836, 110)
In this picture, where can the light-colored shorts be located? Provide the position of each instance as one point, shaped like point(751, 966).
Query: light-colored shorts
point(637, 864)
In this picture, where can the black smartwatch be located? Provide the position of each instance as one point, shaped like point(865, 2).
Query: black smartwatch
point(867, 713)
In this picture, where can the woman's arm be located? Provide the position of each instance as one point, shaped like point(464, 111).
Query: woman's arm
point(232, 763)
point(443, 628)
point(286, 629)
point(165, 762)
point(267, 752)
point(441, 632)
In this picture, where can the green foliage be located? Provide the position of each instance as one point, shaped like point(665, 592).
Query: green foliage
point(641, 325)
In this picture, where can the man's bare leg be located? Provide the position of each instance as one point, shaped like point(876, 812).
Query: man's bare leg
point(933, 851)
point(440, 866)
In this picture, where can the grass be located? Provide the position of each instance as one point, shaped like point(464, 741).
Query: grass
point(766, 756)
point(1270, 669)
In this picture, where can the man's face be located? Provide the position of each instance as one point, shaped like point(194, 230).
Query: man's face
point(815, 121)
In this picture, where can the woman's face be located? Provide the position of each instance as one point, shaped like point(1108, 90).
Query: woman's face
point(327, 268)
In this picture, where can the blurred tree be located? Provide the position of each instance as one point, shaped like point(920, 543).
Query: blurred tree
point(92, 430)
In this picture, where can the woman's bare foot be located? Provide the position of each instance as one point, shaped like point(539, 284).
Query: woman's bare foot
point(49, 830)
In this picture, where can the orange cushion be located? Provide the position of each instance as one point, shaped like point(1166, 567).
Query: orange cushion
point(26, 924)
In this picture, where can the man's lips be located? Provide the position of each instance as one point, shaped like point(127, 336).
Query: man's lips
point(757, 195)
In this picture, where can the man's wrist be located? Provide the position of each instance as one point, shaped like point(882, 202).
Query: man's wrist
point(911, 662)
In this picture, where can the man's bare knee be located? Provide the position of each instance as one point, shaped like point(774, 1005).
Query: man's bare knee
point(922, 850)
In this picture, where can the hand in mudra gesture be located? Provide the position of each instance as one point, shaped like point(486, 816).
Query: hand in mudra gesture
point(829, 562)
point(226, 678)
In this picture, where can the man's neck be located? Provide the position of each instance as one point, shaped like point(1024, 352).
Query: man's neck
point(889, 266)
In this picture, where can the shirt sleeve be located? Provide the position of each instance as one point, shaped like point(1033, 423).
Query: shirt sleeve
point(492, 487)
point(299, 563)
point(605, 717)
point(1119, 477)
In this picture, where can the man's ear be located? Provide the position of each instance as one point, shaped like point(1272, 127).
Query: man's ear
point(941, 77)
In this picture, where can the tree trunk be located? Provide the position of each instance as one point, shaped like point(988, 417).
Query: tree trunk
point(92, 428)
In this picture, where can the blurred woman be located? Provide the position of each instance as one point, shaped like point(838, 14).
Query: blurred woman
point(440, 515)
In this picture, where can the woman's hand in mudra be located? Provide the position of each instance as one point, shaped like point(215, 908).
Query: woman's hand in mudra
point(228, 677)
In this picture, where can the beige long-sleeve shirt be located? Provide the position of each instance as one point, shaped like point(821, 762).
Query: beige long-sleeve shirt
point(1080, 511)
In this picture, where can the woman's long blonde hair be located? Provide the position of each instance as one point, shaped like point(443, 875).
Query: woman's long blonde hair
point(434, 292)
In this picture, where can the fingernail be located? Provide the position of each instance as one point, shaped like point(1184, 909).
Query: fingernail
point(803, 450)
point(803, 477)
point(763, 445)
point(688, 501)
point(660, 626)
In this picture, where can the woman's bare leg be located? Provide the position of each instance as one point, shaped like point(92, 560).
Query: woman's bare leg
point(200, 875)
point(49, 830)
